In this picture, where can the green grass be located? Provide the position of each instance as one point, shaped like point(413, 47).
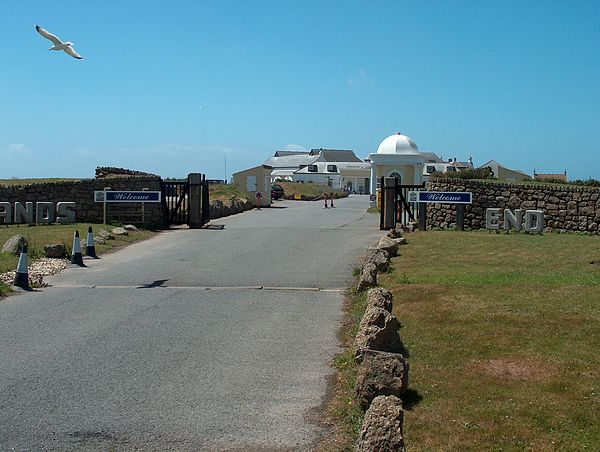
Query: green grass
point(503, 333)
point(38, 236)
point(308, 190)
point(16, 181)
point(221, 192)
point(342, 410)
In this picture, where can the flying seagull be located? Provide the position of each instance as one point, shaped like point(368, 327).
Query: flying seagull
point(58, 44)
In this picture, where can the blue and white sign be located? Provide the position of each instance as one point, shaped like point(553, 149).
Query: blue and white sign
point(127, 196)
point(440, 197)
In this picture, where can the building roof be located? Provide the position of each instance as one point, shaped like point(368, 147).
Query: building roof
point(397, 144)
point(431, 157)
point(291, 161)
point(336, 155)
point(550, 176)
point(286, 153)
point(494, 163)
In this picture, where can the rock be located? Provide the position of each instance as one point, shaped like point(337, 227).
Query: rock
point(130, 227)
point(401, 241)
point(382, 427)
point(388, 245)
point(378, 330)
point(395, 233)
point(379, 257)
point(119, 231)
point(368, 277)
point(55, 250)
point(381, 298)
point(104, 235)
point(380, 373)
point(14, 244)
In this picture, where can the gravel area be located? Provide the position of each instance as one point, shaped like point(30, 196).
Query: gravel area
point(37, 270)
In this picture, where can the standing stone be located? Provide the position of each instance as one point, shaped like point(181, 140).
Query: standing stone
point(367, 277)
point(378, 330)
point(388, 244)
point(382, 428)
point(378, 256)
point(380, 373)
point(381, 298)
point(14, 245)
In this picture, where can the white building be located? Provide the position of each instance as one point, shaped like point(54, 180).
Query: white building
point(396, 156)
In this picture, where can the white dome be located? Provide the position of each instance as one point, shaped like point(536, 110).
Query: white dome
point(398, 144)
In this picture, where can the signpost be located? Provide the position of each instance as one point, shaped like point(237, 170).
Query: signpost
point(459, 198)
point(105, 196)
point(439, 197)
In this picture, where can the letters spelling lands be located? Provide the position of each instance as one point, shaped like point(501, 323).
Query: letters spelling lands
point(44, 212)
point(128, 196)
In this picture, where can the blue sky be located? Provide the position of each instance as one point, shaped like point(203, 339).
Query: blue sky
point(178, 87)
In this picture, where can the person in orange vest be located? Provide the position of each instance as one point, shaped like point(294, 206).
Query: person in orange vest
point(331, 197)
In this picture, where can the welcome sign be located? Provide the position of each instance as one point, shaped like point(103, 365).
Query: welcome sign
point(454, 197)
point(127, 196)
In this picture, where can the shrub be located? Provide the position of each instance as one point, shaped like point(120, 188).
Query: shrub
point(479, 173)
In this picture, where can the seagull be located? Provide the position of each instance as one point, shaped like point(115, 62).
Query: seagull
point(58, 44)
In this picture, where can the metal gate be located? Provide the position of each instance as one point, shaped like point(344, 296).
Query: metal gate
point(404, 211)
point(175, 202)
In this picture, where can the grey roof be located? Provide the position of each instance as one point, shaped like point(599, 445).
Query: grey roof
point(336, 155)
point(286, 153)
point(291, 161)
point(432, 156)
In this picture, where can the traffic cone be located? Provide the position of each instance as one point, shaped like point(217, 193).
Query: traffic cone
point(325, 198)
point(76, 257)
point(22, 277)
point(90, 248)
point(331, 196)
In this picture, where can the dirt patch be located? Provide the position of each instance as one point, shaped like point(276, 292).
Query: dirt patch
point(523, 369)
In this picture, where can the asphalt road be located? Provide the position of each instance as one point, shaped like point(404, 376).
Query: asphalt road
point(215, 339)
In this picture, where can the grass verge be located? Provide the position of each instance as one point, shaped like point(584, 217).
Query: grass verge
point(342, 410)
point(40, 235)
point(308, 190)
point(504, 332)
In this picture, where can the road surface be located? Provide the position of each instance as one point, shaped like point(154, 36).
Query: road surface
point(216, 339)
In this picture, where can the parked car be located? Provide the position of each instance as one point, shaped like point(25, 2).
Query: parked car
point(276, 191)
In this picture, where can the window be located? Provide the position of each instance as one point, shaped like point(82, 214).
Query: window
point(450, 169)
point(331, 168)
point(431, 169)
point(312, 168)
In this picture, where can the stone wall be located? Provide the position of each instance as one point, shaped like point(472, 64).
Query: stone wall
point(82, 193)
point(565, 208)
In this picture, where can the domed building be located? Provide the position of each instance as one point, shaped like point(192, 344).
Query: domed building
point(396, 156)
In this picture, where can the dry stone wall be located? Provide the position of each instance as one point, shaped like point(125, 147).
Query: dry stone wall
point(82, 193)
point(565, 208)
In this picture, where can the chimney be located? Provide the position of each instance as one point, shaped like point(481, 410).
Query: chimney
point(470, 160)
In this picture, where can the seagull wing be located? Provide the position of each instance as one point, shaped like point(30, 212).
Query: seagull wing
point(47, 35)
point(71, 51)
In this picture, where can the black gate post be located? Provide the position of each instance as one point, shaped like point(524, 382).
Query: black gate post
point(194, 202)
point(422, 216)
point(381, 203)
point(460, 217)
point(205, 202)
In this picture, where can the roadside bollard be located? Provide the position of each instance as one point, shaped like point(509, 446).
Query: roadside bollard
point(331, 199)
point(76, 257)
point(90, 248)
point(22, 275)
point(325, 198)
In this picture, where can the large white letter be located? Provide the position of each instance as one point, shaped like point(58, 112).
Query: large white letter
point(534, 221)
point(492, 218)
point(65, 212)
point(24, 214)
point(513, 221)
point(44, 212)
point(6, 212)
